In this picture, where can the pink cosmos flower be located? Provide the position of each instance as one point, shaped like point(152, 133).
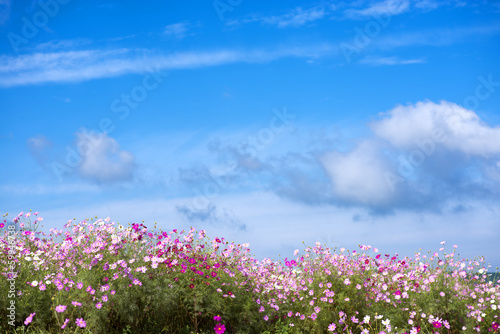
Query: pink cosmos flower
point(217, 318)
point(60, 308)
point(65, 323)
point(29, 319)
point(81, 323)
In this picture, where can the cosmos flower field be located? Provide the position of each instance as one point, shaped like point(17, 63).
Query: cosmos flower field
point(97, 276)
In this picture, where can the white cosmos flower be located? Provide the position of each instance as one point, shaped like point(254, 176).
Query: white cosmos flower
point(34, 283)
point(27, 258)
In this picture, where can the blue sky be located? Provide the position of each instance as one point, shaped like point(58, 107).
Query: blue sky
point(273, 123)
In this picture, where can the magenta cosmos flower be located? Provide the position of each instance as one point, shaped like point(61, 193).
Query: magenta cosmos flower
point(220, 328)
point(495, 326)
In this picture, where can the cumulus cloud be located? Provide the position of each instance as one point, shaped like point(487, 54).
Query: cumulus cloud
point(457, 128)
point(103, 159)
point(420, 157)
point(358, 176)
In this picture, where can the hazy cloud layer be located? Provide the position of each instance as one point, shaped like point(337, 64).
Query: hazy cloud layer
point(422, 156)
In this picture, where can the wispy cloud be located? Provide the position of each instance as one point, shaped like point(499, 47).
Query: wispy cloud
point(83, 65)
point(63, 44)
point(378, 61)
point(380, 8)
point(4, 11)
point(38, 147)
point(436, 37)
point(76, 66)
point(428, 4)
point(296, 17)
point(50, 189)
point(176, 30)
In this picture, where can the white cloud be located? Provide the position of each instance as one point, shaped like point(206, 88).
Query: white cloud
point(459, 129)
point(358, 176)
point(176, 30)
point(103, 160)
point(422, 157)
